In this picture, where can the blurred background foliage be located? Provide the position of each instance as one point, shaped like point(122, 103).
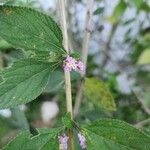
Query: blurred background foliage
point(119, 55)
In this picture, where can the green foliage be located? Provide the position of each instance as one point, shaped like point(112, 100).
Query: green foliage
point(47, 56)
point(67, 121)
point(145, 7)
point(137, 3)
point(97, 92)
point(29, 29)
point(20, 118)
point(23, 82)
point(56, 80)
point(121, 134)
point(4, 45)
point(25, 141)
point(37, 32)
point(94, 144)
point(144, 57)
point(98, 11)
point(118, 12)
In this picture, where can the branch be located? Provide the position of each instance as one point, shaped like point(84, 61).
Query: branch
point(145, 108)
point(67, 74)
point(142, 123)
point(1, 61)
point(85, 46)
point(108, 44)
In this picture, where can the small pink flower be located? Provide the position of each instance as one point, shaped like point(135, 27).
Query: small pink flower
point(63, 141)
point(80, 66)
point(72, 64)
point(69, 64)
point(82, 140)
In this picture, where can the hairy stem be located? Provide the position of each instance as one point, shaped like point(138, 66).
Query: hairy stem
point(67, 74)
point(85, 46)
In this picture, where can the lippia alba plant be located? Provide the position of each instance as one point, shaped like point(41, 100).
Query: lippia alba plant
point(41, 39)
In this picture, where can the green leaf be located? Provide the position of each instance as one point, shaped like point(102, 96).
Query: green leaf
point(56, 80)
point(4, 45)
point(118, 132)
point(75, 55)
point(18, 141)
point(97, 92)
point(23, 82)
point(29, 29)
point(137, 3)
point(98, 11)
point(67, 121)
point(47, 56)
point(118, 12)
point(94, 144)
point(145, 7)
point(25, 141)
point(20, 118)
point(144, 57)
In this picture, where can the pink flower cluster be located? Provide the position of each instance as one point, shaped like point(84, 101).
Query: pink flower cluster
point(82, 140)
point(63, 141)
point(72, 64)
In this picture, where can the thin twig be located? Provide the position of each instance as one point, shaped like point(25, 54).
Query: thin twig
point(67, 74)
point(145, 108)
point(142, 123)
point(1, 61)
point(85, 46)
point(107, 47)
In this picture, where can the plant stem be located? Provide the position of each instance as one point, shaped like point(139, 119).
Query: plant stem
point(67, 74)
point(85, 46)
point(1, 61)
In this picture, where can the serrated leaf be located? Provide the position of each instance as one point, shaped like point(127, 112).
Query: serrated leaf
point(144, 57)
point(117, 132)
point(29, 29)
point(94, 144)
point(18, 141)
point(25, 141)
point(97, 92)
point(23, 82)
